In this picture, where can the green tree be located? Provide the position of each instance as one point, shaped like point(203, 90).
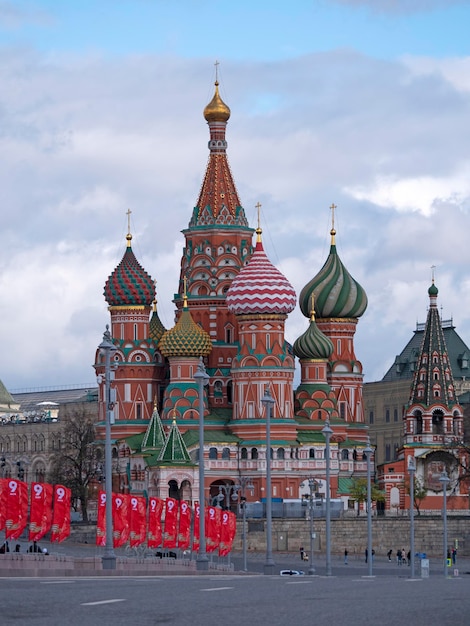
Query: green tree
point(74, 465)
point(358, 492)
point(419, 491)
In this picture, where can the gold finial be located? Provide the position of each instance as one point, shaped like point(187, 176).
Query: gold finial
point(154, 301)
point(128, 236)
point(258, 230)
point(312, 307)
point(185, 294)
point(333, 231)
point(155, 403)
point(174, 416)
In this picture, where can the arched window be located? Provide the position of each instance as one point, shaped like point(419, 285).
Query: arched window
point(213, 454)
point(311, 453)
point(218, 389)
point(244, 454)
point(226, 454)
point(254, 453)
point(345, 455)
point(280, 454)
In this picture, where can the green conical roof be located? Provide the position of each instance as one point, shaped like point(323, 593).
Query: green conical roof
point(156, 328)
point(174, 450)
point(154, 437)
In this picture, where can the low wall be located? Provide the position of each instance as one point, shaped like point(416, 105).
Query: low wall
point(351, 533)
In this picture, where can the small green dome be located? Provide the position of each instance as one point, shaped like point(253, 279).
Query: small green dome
point(433, 290)
point(313, 344)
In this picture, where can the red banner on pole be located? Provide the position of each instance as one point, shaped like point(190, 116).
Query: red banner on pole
point(40, 512)
point(16, 508)
point(101, 520)
point(61, 513)
point(155, 534)
point(138, 521)
point(197, 513)
point(184, 526)
point(228, 529)
point(212, 529)
point(3, 501)
point(171, 518)
point(120, 519)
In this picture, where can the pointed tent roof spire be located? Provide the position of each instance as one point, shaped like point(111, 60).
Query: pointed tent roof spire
point(154, 437)
point(174, 451)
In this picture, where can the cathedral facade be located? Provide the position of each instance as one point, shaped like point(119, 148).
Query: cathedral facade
point(231, 304)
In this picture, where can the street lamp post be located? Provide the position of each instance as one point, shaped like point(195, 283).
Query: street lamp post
point(202, 379)
point(444, 480)
point(244, 482)
point(327, 432)
point(368, 452)
point(411, 470)
point(107, 348)
point(268, 402)
point(312, 486)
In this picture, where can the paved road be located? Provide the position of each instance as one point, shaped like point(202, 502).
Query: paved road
point(234, 600)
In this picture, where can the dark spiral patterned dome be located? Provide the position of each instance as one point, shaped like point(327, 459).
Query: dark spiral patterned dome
point(313, 344)
point(129, 284)
point(336, 292)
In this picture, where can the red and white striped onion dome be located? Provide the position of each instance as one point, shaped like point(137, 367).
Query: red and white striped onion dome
point(260, 287)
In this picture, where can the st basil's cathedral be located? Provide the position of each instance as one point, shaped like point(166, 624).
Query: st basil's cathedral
point(231, 307)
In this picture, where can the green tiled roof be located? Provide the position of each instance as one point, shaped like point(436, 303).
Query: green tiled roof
point(344, 485)
point(310, 436)
point(191, 437)
point(351, 443)
point(174, 451)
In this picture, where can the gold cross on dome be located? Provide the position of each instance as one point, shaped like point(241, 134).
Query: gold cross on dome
point(333, 207)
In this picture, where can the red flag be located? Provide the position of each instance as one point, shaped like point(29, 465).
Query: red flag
point(171, 515)
point(3, 501)
point(197, 512)
point(138, 521)
point(120, 519)
point(212, 529)
point(228, 528)
point(184, 526)
point(16, 498)
point(101, 520)
point(40, 512)
point(155, 522)
point(61, 513)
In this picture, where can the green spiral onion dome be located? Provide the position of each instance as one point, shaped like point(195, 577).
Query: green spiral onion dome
point(186, 338)
point(336, 292)
point(313, 344)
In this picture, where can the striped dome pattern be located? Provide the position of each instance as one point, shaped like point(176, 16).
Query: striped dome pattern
point(186, 338)
point(336, 292)
point(313, 344)
point(129, 284)
point(260, 288)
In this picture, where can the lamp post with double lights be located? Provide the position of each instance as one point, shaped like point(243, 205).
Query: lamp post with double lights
point(411, 471)
point(268, 402)
point(368, 452)
point(327, 432)
point(444, 480)
point(312, 485)
point(202, 379)
point(107, 348)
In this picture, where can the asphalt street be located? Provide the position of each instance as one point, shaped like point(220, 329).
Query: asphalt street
point(235, 599)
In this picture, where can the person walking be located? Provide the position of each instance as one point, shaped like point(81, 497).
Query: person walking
point(399, 557)
point(345, 556)
point(389, 554)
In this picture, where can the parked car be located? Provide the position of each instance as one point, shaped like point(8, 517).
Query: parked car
point(291, 572)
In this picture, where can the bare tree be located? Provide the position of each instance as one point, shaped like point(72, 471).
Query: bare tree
point(74, 464)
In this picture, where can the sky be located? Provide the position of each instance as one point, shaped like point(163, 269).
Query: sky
point(360, 103)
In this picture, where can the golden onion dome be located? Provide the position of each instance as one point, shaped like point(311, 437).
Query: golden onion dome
point(186, 338)
point(217, 110)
